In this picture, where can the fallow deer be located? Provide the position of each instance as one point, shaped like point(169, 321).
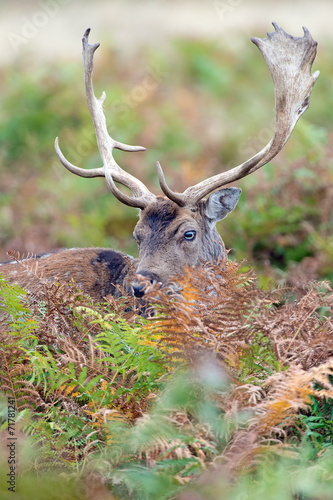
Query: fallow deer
point(177, 229)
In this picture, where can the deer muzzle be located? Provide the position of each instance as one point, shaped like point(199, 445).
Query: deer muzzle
point(143, 282)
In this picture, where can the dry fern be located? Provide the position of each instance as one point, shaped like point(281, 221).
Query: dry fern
point(290, 392)
point(302, 330)
point(221, 309)
point(211, 313)
point(273, 419)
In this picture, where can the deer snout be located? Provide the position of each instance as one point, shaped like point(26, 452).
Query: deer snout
point(139, 288)
point(143, 282)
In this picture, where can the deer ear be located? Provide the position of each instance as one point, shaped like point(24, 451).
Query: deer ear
point(220, 203)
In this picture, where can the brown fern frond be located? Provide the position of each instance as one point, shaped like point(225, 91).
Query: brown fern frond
point(54, 303)
point(272, 413)
point(28, 262)
point(210, 312)
point(220, 308)
point(290, 392)
point(91, 359)
point(272, 418)
point(13, 373)
point(299, 330)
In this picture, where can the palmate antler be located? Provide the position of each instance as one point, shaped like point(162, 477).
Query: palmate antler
point(289, 60)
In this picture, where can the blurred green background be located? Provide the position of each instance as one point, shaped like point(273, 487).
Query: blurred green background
point(184, 80)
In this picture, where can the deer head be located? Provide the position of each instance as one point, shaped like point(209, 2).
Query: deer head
point(178, 229)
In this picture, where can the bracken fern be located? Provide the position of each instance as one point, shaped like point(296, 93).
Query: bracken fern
point(222, 376)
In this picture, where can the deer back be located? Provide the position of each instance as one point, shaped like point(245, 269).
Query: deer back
point(96, 271)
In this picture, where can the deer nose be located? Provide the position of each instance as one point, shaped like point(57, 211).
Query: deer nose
point(142, 282)
point(138, 288)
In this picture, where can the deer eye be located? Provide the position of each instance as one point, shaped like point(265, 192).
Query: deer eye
point(190, 235)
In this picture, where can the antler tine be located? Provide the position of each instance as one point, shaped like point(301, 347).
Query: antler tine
point(289, 60)
point(176, 197)
point(110, 170)
point(82, 172)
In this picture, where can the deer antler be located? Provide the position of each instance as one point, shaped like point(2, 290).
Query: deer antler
point(110, 170)
point(289, 60)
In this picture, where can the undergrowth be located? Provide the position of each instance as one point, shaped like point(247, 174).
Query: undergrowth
point(225, 392)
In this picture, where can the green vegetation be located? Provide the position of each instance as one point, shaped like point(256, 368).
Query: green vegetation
point(228, 388)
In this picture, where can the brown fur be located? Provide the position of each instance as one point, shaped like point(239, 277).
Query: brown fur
point(97, 271)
